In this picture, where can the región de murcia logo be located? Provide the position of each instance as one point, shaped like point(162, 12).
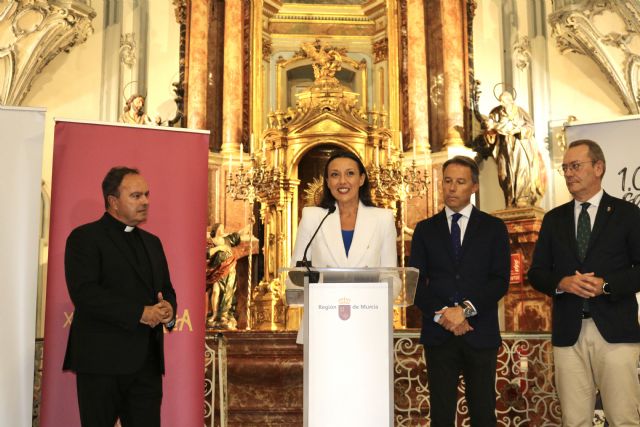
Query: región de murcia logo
point(344, 308)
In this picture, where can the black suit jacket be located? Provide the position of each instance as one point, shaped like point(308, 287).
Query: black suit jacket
point(613, 254)
point(481, 275)
point(109, 292)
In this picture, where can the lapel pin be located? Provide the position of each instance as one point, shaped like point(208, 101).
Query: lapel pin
point(608, 208)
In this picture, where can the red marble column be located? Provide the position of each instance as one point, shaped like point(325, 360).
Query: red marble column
point(417, 72)
point(197, 77)
point(232, 80)
point(453, 51)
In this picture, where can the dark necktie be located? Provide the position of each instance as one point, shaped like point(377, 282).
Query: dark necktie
point(455, 235)
point(583, 234)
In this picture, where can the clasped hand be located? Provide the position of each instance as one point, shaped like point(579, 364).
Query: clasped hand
point(153, 315)
point(585, 285)
point(453, 320)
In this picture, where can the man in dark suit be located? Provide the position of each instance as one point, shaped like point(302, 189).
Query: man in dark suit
point(464, 260)
point(587, 259)
point(118, 280)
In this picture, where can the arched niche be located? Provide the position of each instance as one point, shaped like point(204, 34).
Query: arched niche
point(295, 75)
point(301, 78)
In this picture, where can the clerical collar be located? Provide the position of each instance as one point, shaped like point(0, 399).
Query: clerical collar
point(118, 224)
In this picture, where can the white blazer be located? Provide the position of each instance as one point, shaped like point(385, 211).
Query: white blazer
point(373, 245)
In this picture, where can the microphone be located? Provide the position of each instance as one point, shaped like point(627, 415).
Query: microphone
point(305, 262)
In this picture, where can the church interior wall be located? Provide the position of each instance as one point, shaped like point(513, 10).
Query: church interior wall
point(552, 87)
point(488, 59)
point(575, 85)
point(163, 55)
point(488, 48)
point(579, 88)
point(69, 87)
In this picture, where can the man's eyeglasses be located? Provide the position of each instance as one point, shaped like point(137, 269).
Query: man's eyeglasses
point(574, 166)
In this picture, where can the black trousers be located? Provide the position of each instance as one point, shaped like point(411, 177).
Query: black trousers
point(134, 398)
point(445, 363)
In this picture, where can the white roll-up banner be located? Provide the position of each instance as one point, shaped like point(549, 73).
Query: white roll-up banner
point(21, 140)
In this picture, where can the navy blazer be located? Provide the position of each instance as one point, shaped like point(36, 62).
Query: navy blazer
point(613, 254)
point(480, 276)
point(109, 293)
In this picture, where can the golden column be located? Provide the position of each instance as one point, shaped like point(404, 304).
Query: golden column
point(417, 74)
point(197, 73)
point(232, 80)
point(454, 69)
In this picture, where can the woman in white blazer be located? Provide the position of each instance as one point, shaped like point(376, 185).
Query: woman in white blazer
point(357, 234)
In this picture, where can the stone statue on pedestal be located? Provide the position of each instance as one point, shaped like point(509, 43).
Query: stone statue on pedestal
point(509, 137)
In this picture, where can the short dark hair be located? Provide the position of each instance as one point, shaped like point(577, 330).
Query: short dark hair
point(595, 151)
point(113, 179)
point(465, 161)
point(365, 190)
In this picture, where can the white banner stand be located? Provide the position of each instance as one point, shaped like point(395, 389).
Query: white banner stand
point(21, 175)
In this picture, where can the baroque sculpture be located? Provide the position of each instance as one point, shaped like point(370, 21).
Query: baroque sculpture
point(134, 113)
point(509, 138)
point(33, 33)
point(221, 276)
point(326, 61)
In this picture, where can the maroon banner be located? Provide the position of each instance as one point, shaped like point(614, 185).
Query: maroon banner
point(175, 164)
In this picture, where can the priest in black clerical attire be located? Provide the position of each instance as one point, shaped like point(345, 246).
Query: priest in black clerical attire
point(118, 280)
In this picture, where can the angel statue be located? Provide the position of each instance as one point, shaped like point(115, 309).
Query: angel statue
point(326, 61)
point(509, 137)
point(221, 278)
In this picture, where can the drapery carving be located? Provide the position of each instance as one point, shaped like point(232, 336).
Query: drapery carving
point(522, 52)
point(32, 33)
point(576, 29)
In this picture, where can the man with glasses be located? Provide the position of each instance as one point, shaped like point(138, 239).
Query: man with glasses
point(587, 259)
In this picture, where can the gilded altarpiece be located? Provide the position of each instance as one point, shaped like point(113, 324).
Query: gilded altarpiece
point(263, 180)
point(327, 115)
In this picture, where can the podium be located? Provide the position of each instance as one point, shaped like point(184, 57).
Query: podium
point(348, 341)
